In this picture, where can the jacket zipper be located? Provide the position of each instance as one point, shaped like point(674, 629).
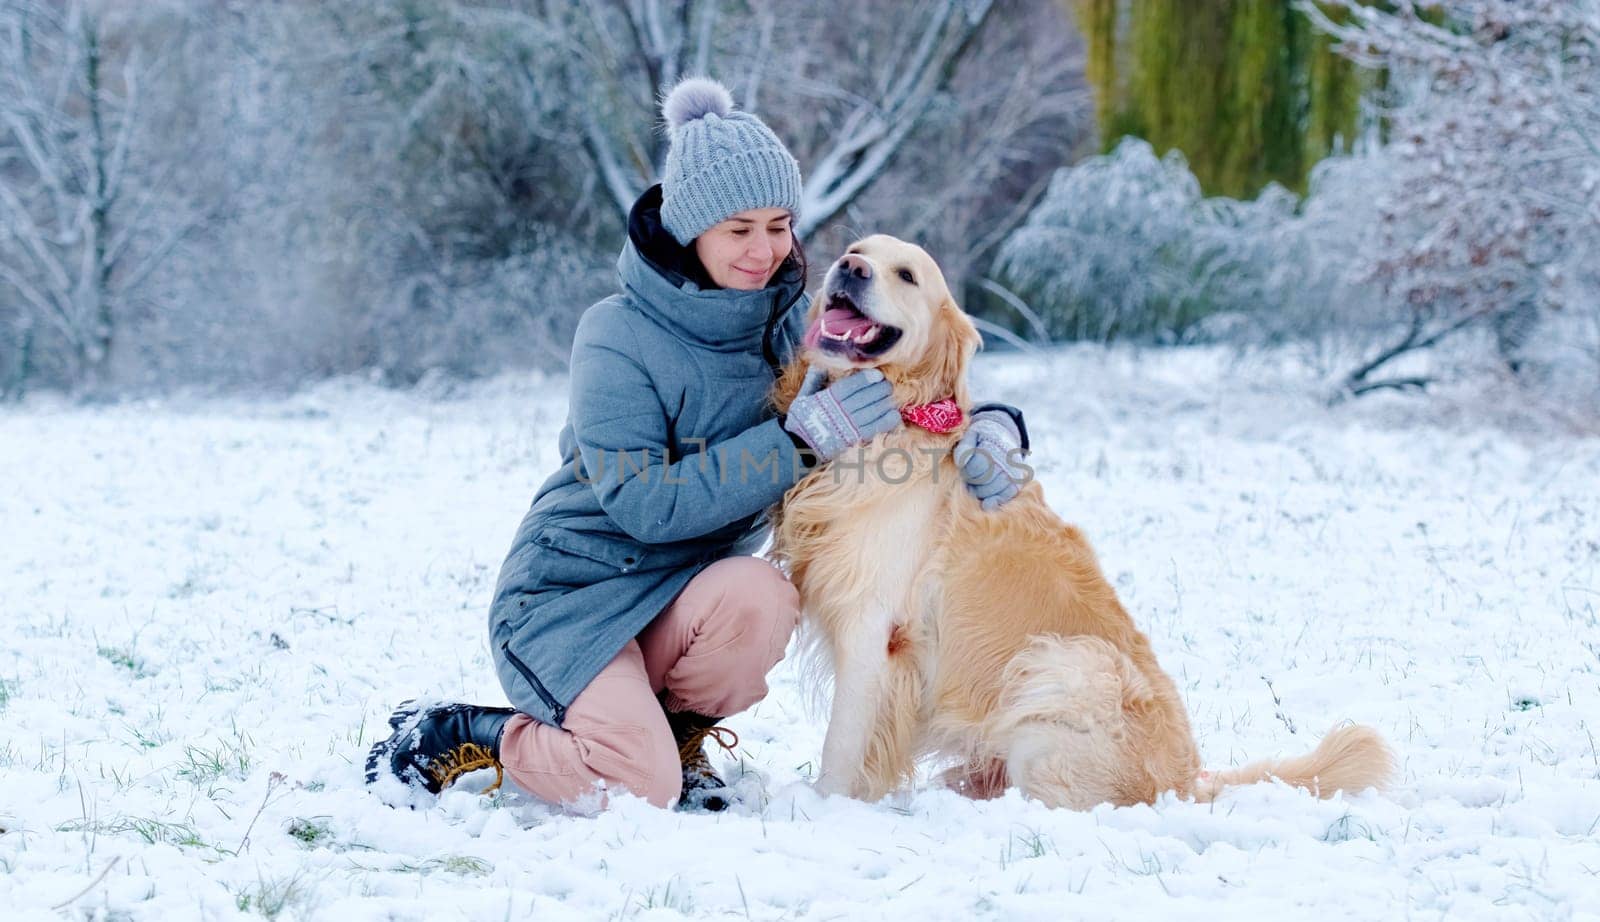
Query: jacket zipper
point(556, 710)
point(767, 352)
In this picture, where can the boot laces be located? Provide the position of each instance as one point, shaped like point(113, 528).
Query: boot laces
point(691, 746)
point(467, 757)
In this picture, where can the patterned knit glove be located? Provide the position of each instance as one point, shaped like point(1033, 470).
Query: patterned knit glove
point(851, 410)
point(990, 457)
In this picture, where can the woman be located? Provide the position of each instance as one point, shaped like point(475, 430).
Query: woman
point(629, 616)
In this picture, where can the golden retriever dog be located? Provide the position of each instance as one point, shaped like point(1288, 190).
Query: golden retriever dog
point(989, 638)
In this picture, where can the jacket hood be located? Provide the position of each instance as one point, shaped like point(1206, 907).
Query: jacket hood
point(668, 283)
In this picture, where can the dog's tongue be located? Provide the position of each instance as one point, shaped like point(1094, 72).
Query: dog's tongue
point(841, 320)
point(836, 322)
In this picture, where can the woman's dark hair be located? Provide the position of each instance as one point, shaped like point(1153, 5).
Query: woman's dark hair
point(795, 267)
point(792, 273)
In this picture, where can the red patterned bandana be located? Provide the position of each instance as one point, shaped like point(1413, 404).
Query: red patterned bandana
point(940, 416)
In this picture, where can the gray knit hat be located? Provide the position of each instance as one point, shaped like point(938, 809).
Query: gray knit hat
point(720, 162)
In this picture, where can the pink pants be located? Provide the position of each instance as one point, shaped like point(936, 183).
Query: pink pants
point(710, 651)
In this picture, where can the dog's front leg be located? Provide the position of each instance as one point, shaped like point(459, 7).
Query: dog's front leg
point(860, 660)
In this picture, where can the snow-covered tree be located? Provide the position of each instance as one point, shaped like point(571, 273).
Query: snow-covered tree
point(942, 101)
point(404, 185)
point(477, 137)
point(85, 219)
point(1491, 179)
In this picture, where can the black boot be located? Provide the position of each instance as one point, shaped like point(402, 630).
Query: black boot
point(703, 788)
point(432, 748)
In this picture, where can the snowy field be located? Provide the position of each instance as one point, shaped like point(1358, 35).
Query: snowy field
point(210, 606)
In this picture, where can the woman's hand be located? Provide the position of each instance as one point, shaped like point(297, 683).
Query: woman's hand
point(990, 457)
point(851, 410)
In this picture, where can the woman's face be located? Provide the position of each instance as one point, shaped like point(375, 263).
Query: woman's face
point(744, 251)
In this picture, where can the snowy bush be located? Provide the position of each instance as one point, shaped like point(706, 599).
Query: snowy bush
point(1125, 245)
point(1116, 247)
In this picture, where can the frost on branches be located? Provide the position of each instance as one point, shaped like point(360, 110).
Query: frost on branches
point(1488, 216)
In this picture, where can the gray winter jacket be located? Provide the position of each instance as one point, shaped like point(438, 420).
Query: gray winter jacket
point(670, 456)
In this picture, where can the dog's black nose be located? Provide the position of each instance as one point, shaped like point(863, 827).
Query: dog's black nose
point(856, 266)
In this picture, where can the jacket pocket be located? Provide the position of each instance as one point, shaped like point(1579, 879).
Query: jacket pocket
point(619, 554)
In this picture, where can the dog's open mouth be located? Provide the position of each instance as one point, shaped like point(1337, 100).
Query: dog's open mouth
point(843, 329)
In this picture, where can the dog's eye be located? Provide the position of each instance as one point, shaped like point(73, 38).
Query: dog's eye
point(907, 277)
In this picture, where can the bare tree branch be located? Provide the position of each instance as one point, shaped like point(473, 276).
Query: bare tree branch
point(873, 133)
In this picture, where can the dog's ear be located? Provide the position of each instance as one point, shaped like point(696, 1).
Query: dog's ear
point(943, 369)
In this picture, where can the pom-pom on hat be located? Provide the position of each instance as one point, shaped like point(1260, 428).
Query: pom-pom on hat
point(720, 161)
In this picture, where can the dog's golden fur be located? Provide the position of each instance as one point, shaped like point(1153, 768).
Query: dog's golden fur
point(987, 637)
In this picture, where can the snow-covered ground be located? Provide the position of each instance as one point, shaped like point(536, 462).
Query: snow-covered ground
point(210, 606)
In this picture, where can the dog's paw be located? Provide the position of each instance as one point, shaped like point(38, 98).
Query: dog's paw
point(831, 786)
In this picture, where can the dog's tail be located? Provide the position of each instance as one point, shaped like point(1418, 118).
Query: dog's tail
point(1350, 758)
